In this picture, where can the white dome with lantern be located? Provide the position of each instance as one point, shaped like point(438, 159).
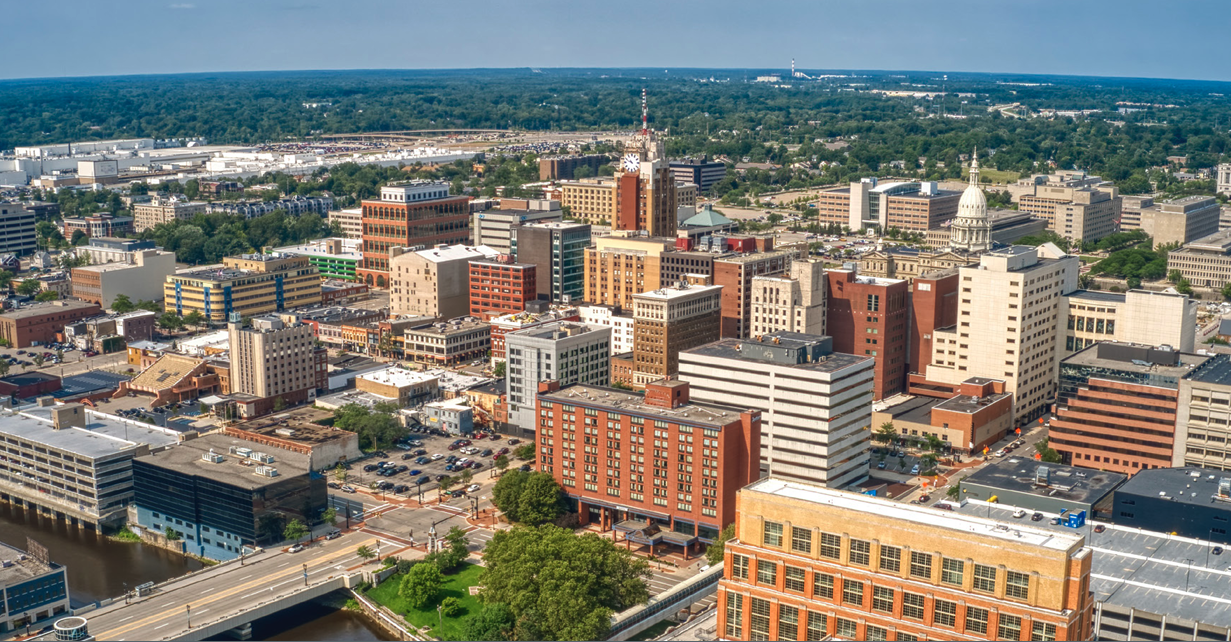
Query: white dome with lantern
point(971, 231)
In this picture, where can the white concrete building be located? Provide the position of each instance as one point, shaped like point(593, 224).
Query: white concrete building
point(816, 405)
point(140, 278)
point(1136, 316)
point(794, 302)
point(620, 322)
point(350, 221)
point(567, 351)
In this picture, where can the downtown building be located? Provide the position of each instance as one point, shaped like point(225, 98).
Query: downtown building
point(565, 351)
point(667, 322)
point(792, 302)
point(813, 563)
point(496, 228)
point(558, 252)
point(660, 467)
point(816, 404)
point(161, 210)
point(434, 282)
point(247, 285)
point(274, 363)
point(414, 214)
point(870, 316)
point(735, 274)
point(501, 285)
point(906, 205)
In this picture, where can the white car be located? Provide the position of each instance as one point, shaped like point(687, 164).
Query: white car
point(296, 548)
point(1019, 513)
point(437, 457)
point(472, 488)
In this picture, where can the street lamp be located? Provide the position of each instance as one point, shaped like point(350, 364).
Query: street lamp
point(1187, 573)
point(305, 574)
point(188, 610)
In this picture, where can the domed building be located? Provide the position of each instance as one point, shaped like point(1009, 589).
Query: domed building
point(972, 229)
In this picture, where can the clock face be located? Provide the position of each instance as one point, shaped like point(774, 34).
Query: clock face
point(631, 162)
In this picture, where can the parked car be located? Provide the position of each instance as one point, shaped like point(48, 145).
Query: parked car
point(401, 488)
point(296, 548)
point(407, 456)
point(419, 452)
point(415, 472)
point(1019, 513)
point(914, 469)
point(423, 460)
point(423, 480)
point(437, 457)
point(514, 442)
point(1037, 517)
point(348, 489)
point(486, 453)
point(880, 466)
point(370, 467)
point(334, 485)
point(333, 534)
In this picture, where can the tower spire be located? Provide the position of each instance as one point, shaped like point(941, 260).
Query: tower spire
point(974, 168)
point(645, 115)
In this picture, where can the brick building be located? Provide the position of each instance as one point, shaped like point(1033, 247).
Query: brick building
point(671, 468)
point(811, 563)
point(978, 415)
point(668, 321)
point(933, 304)
point(42, 322)
point(735, 274)
point(905, 205)
point(501, 286)
point(869, 316)
point(411, 214)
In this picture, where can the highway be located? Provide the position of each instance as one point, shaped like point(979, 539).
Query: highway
point(224, 591)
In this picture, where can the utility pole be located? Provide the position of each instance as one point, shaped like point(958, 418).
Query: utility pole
point(305, 574)
point(188, 610)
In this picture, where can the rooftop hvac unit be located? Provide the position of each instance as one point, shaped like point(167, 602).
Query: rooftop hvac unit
point(212, 457)
point(263, 458)
point(1224, 488)
point(267, 471)
point(1042, 476)
point(285, 432)
point(243, 452)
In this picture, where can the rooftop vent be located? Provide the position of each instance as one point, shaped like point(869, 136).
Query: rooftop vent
point(267, 471)
point(212, 457)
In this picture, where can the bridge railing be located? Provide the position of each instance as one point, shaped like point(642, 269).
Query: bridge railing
point(686, 592)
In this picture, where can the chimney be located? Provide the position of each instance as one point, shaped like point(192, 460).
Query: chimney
point(68, 415)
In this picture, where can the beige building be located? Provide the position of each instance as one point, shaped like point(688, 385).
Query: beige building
point(591, 199)
point(618, 267)
point(685, 195)
point(1010, 314)
point(349, 221)
point(1180, 221)
point(906, 263)
point(248, 284)
point(791, 302)
point(1075, 209)
point(141, 278)
point(1205, 262)
point(163, 210)
point(668, 321)
point(404, 387)
point(1203, 420)
point(273, 358)
point(1137, 316)
point(433, 283)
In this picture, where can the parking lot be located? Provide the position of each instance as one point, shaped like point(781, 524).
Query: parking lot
point(433, 445)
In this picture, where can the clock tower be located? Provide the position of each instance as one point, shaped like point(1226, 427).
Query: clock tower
point(645, 187)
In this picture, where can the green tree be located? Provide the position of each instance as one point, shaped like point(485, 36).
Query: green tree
point(445, 484)
point(38, 360)
point(6, 279)
point(170, 321)
point(451, 607)
point(294, 530)
point(1047, 454)
point(525, 452)
point(455, 552)
point(47, 295)
point(421, 585)
point(172, 534)
point(1175, 277)
point(365, 553)
point(502, 463)
point(29, 287)
point(194, 319)
point(537, 571)
point(330, 516)
point(714, 553)
point(279, 405)
point(886, 433)
point(493, 623)
point(4, 367)
point(79, 237)
point(541, 499)
point(506, 494)
point(499, 370)
point(151, 306)
point(122, 304)
point(1184, 287)
point(1226, 291)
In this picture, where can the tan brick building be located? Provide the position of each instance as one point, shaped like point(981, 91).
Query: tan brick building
point(163, 210)
point(811, 563)
point(667, 321)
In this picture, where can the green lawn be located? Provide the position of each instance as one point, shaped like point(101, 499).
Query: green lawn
point(998, 176)
point(456, 585)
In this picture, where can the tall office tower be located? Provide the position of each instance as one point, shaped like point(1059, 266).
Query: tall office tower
point(870, 316)
point(817, 404)
point(564, 351)
point(794, 302)
point(558, 250)
point(933, 306)
point(273, 360)
point(434, 282)
point(1010, 310)
point(413, 214)
point(645, 197)
point(735, 274)
point(668, 321)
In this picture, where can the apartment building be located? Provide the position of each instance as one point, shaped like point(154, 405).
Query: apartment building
point(248, 284)
point(620, 321)
point(414, 214)
point(815, 402)
point(349, 222)
point(501, 285)
point(933, 305)
point(793, 302)
point(140, 279)
point(693, 456)
point(273, 360)
point(41, 322)
point(1117, 406)
point(292, 206)
point(558, 250)
point(555, 168)
point(816, 563)
point(537, 313)
point(17, 234)
point(1203, 419)
point(735, 274)
point(1011, 302)
point(1205, 262)
point(871, 316)
point(449, 343)
point(1075, 209)
point(72, 461)
point(701, 172)
point(563, 351)
point(164, 209)
point(495, 228)
point(433, 282)
point(1136, 316)
point(98, 225)
point(906, 205)
point(668, 321)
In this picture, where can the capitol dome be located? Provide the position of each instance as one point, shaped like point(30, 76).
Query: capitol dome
point(971, 231)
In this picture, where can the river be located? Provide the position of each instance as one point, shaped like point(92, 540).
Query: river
point(99, 568)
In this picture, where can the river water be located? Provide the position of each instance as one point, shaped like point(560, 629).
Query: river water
point(99, 568)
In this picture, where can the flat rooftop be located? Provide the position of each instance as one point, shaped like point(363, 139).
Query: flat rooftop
point(103, 436)
point(19, 566)
point(397, 377)
point(187, 458)
point(730, 349)
point(1083, 485)
point(1097, 296)
point(50, 307)
point(1008, 530)
point(1196, 486)
point(667, 294)
point(301, 420)
point(1215, 371)
point(753, 256)
point(1219, 242)
point(451, 381)
point(457, 252)
point(1089, 357)
point(626, 402)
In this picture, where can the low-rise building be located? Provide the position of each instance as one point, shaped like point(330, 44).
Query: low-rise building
point(300, 430)
point(41, 322)
point(448, 344)
point(1205, 262)
point(175, 378)
point(454, 416)
point(335, 258)
point(1049, 488)
point(96, 225)
point(403, 387)
point(978, 416)
point(141, 278)
point(1189, 502)
point(432, 283)
point(501, 285)
point(349, 222)
point(32, 587)
point(164, 209)
point(104, 249)
point(343, 292)
point(1180, 221)
point(247, 285)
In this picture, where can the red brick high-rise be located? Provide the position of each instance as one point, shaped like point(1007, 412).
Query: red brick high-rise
point(410, 215)
point(933, 305)
point(501, 286)
point(870, 316)
point(659, 468)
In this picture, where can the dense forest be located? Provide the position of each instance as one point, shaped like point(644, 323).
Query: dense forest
point(1138, 125)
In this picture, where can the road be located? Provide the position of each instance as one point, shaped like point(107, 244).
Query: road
point(224, 590)
point(1032, 433)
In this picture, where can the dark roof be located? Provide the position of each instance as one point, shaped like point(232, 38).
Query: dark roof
point(1097, 295)
point(89, 382)
point(1084, 485)
point(1185, 485)
point(494, 387)
point(1224, 327)
point(1216, 370)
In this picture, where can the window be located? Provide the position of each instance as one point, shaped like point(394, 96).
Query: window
point(905, 637)
point(822, 585)
point(772, 535)
point(735, 615)
point(767, 572)
point(794, 579)
point(788, 622)
point(976, 620)
point(852, 592)
point(921, 565)
point(1008, 627)
point(912, 606)
point(1043, 631)
point(944, 613)
point(860, 553)
point(758, 622)
point(739, 567)
point(1017, 585)
point(985, 578)
point(877, 633)
point(951, 571)
point(846, 628)
point(891, 559)
point(882, 599)
point(817, 627)
point(801, 539)
point(831, 546)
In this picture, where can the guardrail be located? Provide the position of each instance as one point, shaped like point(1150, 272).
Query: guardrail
point(659, 606)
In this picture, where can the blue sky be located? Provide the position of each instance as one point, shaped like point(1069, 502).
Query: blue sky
point(1179, 39)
